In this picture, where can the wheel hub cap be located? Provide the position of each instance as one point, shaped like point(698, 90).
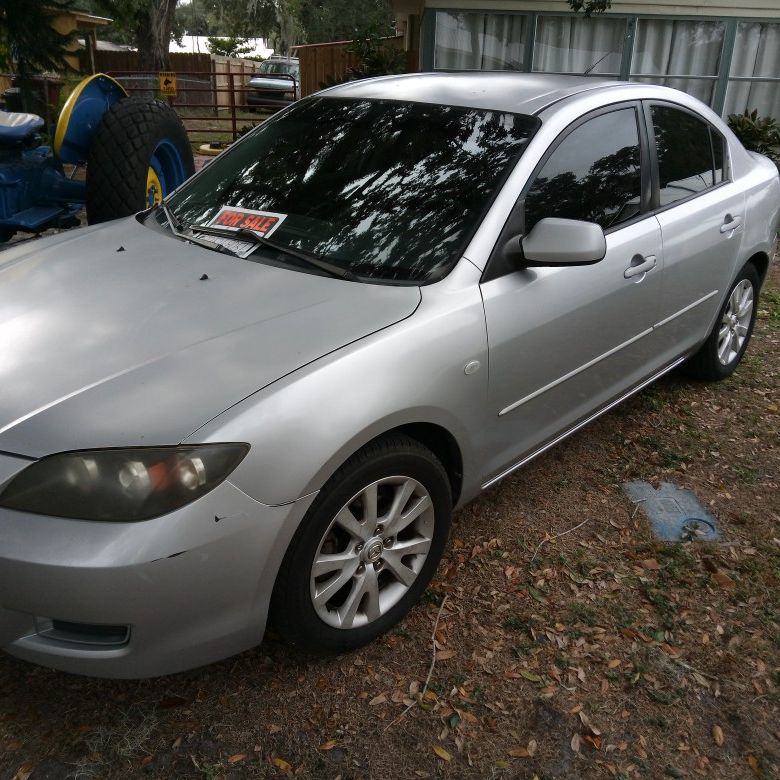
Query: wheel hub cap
point(373, 550)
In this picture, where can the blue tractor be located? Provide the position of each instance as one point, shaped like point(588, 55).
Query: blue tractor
point(135, 150)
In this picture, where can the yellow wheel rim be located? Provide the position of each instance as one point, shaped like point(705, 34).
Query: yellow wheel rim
point(154, 191)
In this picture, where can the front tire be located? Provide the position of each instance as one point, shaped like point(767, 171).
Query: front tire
point(722, 352)
point(366, 550)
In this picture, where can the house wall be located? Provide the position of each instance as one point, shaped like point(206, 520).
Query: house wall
point(752, 8)
point(725, 83)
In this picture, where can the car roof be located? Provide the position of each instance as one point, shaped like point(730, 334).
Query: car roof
point(521, 93)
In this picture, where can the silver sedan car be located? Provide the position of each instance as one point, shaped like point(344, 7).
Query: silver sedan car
point(262, 399)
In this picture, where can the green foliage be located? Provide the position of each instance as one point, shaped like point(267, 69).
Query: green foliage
point(377, 56)
point(759, 134)
point(590, 7)
point(340, 20)
point(28, 42)
point(227, 18)
point(229, 47)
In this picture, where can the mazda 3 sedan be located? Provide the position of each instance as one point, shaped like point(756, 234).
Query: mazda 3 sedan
point(263, 398)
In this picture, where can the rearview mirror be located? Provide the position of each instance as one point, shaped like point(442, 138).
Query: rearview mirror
point(555, 241)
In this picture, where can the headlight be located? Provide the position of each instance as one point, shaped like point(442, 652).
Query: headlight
point(121, 485)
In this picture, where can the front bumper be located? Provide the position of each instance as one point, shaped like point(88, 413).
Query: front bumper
point(191, 587)
point(269, 99)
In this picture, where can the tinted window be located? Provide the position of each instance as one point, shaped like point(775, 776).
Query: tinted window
point(593, 175)
point(685, 161)
point(384, 188)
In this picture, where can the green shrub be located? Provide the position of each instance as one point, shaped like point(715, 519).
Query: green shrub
point(757, 133)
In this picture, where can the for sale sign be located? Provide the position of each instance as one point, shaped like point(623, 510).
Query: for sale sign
point(262, 223)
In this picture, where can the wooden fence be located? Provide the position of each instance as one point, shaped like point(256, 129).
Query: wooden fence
point(106, 61)
point(321, 62)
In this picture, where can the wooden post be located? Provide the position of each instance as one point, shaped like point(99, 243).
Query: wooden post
point(214, 85)
point(232, 102)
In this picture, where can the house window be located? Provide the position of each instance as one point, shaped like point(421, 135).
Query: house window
point(473, 41)
point(692, 55)
point(681, 54)
point(756, 55)
point(573, 44)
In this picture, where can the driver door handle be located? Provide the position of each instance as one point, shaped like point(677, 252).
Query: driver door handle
point(640, 264)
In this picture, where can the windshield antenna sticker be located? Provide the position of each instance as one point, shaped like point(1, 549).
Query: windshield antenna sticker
point(261, 223)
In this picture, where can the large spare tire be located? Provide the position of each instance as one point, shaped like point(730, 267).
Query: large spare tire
point(140, 154)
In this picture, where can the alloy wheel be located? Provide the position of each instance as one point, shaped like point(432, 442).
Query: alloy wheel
point(372, 552)
point(735, 322)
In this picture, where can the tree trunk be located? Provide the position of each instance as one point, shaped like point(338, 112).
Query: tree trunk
point(287, 27)
point(155, 22)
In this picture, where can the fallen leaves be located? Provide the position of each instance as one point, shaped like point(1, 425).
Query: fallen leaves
point(281, 764)
point(724, 580)
point(530, 676)
point(24, 771)
point(524, 752)
point(588, 725)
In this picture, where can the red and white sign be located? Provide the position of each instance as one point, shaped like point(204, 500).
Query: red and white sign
point(262, 223)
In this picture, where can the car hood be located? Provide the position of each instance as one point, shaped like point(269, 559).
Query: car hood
point(113, 335)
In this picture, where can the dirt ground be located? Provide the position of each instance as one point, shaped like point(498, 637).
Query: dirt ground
point(601, 653)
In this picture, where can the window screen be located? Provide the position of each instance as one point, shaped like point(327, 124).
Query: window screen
point(593, 175)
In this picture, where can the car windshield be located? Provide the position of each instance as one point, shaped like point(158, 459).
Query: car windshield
point(291, 68)
point(386, 190)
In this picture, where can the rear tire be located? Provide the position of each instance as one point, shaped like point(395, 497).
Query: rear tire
point(352, 571)
point(723, 350)
point(140, 153)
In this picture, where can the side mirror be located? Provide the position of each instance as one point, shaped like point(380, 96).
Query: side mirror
point(555, 241)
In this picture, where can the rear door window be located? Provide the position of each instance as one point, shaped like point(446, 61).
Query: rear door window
point(687, 162)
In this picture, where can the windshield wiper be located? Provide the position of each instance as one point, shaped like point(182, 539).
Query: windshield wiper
point(178, 229)
point(305, 257)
